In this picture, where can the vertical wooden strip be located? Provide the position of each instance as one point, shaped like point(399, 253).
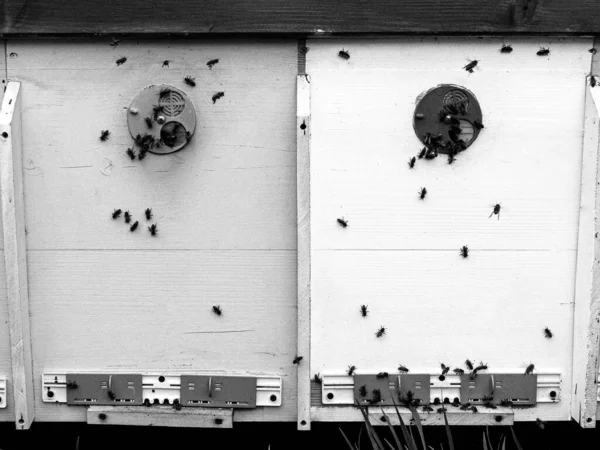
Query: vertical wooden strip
point(13, 216)
point(586, 343)
point(303, 192)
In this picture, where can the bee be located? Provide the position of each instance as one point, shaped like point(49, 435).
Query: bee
point(593, 81)
point(382, 375)
point(164, 93)
point(156, 110)
point(402, 369)
point(297, 358)
point(380, 332)
point(152, 229)
point(148, 121)
point(441, 410)
point(121, 61)
point(363, 390)
point(592, 51)
point(477, 369)
point(529, 369)
point(115, 43)
point(506, 402)
point(351, 370)
point(104, 135)
point(543, 51)
point(148, 213)
point(130, 153)
point(422, 153)
point(474, 408)
point(506, 48)
point(176, 405)
point(496, 210)
point(445, 369)
point(218, 311)
point(458, 371)
point(111, 395)
point(217, 96)
point(548, 333)
point(376, 397)
point(469, 67)
point(411, 162)
point(363, 310)
point(71, 385)
point(317, 378)
point(477, 124)
point(133, 227)
point(166, 63)
point(431, 154)
point(469, 364)
point(116, 213)
point(422, 193)
point(142, 154)
point(465, 406)
point(540, 423)
point(488, 398)
point(343, 222)
point(344, 54)
point(189, 81)
point(451, 158)
point(212, 62)
point(464, 251)
point(427, 408)
point(127, 217)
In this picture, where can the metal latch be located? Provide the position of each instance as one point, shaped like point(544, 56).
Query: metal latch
point(3, 401)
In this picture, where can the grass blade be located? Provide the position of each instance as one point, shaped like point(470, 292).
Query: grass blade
point(362, 427)
point(502, 443)
point(410, 442)
point(415, 414)
point(448, 433)
point(515, 439)
point(395, 436)
point(375, 442)
point(346, 439)
point(487, 435)
point(485, 447)
point(391, 446)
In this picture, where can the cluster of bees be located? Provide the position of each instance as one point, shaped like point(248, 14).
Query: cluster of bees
point(152, 229)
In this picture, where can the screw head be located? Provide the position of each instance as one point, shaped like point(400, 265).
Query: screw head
point(161, 119)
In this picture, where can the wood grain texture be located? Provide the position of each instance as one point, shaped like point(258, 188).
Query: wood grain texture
point(304, 248)
point(233, 187)
point(307, 17)
point(160, 416)
point(15, 255)
point(123, 311)
point(586, 340)
point(400, 255)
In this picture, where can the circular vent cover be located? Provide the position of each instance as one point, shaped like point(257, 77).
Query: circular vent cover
point(166, 114)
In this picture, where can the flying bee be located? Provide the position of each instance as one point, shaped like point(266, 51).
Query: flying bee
point(592, 51)
point(130, 153)
point(363, 310)
point(506, 48)
point(166, 63)
point(317, 378)
point(496, 210)
point(121, 61)
point(540, 423)
point(189, 81)
point(116, 213)
point(297, 358)
point(548, 333)
point(469, 67)
point(133, 227)
point(529, 369)
point(422, 153)
point(148, 121)
point(411, 162)
point(464, 251)
point(458, 371)
point(363, 390)
point(402, 369)
point(469, 364)
point(217, 96)
point(380, 332)
point(217, 310)
point(152, 229)
point(422, 193)
point(344, 54)
point(382, 375)
point(445, 369)
point(478, 124)
point(376, 398)
point(427, 408)
point(351, 370)
point(127, 217)
point(104, 135)
point(114, 43)
point(543, 51)
point(343, 222)
point(212, 62)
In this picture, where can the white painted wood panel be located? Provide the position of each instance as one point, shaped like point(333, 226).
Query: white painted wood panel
point(400, 255)
point(233, 187)
point(144, 311)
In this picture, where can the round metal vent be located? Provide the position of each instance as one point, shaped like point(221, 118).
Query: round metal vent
point(447, 119)
point(162, 118)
